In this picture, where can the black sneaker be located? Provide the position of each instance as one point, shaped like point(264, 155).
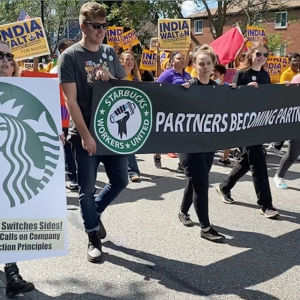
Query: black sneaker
point(224, 162)
point(72, 185)
point(226, 197)
point(94, 253)
point(180, 169)
point(15, 284)
point(157, 161)
point(185, 219)
point(212, 235)
point(269, 213)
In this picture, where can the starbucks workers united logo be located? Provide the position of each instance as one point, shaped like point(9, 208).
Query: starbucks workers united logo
point(123, 119)
point(29, 145)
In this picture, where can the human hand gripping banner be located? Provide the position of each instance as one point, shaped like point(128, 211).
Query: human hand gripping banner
point(131, 117)
point(26, 39)
point(174, 34)
point(33, 212)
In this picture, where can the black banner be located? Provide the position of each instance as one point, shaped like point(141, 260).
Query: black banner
point(132, 117)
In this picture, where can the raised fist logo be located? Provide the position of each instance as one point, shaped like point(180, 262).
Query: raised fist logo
point(121, 116)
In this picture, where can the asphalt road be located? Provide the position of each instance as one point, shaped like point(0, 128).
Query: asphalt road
point(151, 255)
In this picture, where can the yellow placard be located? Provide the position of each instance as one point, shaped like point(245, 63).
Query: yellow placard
point(114, 35)
point(148, 60)
point(129, 39)
point(174, 34)
point(153, 43)
point(274, 70)
point(255, 34)
point(26, 39)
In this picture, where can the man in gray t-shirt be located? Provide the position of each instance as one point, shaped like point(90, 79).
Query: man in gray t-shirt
point(80, 65)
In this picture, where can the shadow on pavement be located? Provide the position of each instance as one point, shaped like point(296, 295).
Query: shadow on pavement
point(268, 258)
point(134, 288)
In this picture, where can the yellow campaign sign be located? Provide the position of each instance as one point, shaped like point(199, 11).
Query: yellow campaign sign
point(274, 70)
point(255, 34)
point(26, 39)
point(148, 60)
point(153, 43)
point(174, 34)
point(282, 59)
point(114, 35)
point(129, 39)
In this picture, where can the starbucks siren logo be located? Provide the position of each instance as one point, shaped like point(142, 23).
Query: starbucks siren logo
point(123, 119)
point(29, 145)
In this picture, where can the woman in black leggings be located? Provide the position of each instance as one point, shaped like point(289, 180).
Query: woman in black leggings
point(253, 158)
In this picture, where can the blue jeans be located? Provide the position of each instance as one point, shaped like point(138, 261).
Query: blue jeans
point(133, 168)
point(116, 170)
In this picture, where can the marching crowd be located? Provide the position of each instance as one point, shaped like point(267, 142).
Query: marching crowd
point(200, 67)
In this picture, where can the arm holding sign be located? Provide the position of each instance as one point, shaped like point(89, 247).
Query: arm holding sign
point(69, 88)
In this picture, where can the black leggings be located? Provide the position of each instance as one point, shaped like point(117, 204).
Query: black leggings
point(196, 167)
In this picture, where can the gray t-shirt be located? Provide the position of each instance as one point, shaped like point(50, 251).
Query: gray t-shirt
point(80, 65)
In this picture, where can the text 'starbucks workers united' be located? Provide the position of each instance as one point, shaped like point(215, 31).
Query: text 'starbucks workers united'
point(29, 145)
point(123, 119)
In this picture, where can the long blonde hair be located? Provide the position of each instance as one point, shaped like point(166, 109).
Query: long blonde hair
point(248, 59)
point(135, 71)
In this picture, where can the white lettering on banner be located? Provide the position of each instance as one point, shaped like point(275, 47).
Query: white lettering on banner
point(180, 122)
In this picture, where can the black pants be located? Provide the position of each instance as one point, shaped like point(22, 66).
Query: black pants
point(71, 167)
point(252, 159)
point(196, 167)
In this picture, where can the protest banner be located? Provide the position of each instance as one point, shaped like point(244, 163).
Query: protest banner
point(26, 39)
point(174, 34)
point(33, 211)
point(153, 43)
point(255, 34)
point(230, 73)
point(148, 60)
point(114, 35)
point(129, 39)
point(65, 118)
point(163, 118)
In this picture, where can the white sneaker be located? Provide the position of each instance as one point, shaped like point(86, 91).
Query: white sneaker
point(271, 148)
point(280, 183)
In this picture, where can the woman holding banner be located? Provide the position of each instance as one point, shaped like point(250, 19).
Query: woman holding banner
point(132, 74)
point(252, 74)
point(174, 75)
point(15, 284)
point(197, 165)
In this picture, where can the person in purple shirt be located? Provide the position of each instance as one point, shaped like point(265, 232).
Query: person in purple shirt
point(174, 75)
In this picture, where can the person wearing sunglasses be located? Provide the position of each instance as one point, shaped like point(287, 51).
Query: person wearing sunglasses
point(253, 158)
point(15, 284)
point(80, 65)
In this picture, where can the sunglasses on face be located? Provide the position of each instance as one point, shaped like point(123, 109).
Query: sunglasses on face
point(8, 56)
point(97, 26)
point(259, 54)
